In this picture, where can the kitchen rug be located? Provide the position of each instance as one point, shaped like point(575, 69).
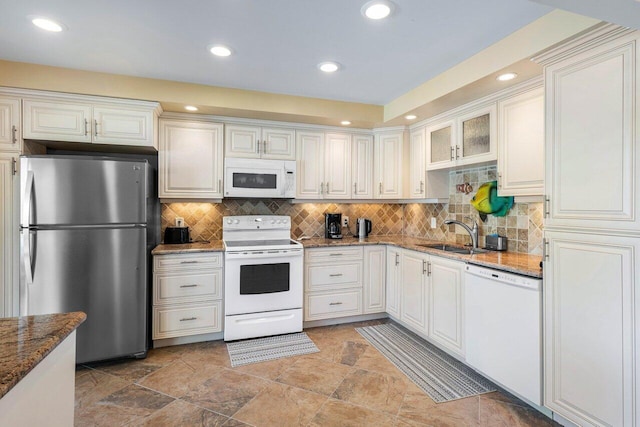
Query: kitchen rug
point(269, 348)
point(439, 375)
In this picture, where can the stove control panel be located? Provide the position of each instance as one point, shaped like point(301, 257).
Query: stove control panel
point(256, 222)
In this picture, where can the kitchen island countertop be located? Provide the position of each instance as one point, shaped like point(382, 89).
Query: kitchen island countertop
point(26, 341)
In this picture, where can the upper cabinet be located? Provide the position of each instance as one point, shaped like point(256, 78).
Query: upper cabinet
point(190, 160)
point(464, 139)
point(10, 139)
point(324, 165)
point(417, 168)
point(521, 144)
point(388, 169)
point(310, 169)
point(130, 123)
point(260, 142)
point(592, 136)
point(362, 166)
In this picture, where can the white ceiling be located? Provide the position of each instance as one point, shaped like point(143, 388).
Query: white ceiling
point(277, 43)
point(621, 12)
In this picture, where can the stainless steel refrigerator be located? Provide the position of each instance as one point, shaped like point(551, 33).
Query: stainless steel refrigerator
point(84, 248)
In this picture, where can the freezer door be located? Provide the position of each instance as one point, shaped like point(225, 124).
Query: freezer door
point(75, 190)
point(101, 271)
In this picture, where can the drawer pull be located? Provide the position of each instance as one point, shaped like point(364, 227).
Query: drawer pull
point(188, 286)
point(336, 254)
point(335, 303)
point(188, 262)
point(335, 275)
point(186, 319)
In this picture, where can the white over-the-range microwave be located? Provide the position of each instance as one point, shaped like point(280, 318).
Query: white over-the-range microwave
point(265, 179)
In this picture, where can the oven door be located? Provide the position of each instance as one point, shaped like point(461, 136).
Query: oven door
point(264, 179)
point(257, 281)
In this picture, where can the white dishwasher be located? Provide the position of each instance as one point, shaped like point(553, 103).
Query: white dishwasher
point(503, 323)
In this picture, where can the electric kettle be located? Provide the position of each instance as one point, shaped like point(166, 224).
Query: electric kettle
point(363, 227)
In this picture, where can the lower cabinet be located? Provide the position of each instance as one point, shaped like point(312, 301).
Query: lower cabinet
point(446, 303)
point(187, 294)
point(394, 278)
point(374, 279)
point(414, 290)
point(333, 282)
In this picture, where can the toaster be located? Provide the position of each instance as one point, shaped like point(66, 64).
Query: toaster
point(173, 235)
point(496, 243)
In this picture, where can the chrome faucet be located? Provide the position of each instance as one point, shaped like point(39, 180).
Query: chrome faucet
point(473, 232)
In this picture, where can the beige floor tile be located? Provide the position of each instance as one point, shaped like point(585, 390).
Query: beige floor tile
point(92, 386)
point(226, 392)
point(373, 360)
point(497, 412)
point(342, 414)
point(418, 409)
point(270, 369)
point(371, 389)
point(131, 370)
point(178, 377)
point(212, 352)
point(317, 375)
point(180, 413)
point(281, 405)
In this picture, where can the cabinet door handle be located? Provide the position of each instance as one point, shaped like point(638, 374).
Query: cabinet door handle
point(264, 146)
point(321, 188)
point(335, 275)
point(188, 262)
point(380, 188)
point(327, 187)
point(421, 186)
point(547, 207)
point(424, 266)
point(355, 188)
point(95, 127)
point(189, 286)
point(457, 148)
point(452, 153)
point(429, 268)
point(14, 168)
point(499, 180)
point(545, 249)
point(335, 303)
point(186, 319)
point(219, 186)
point(14, 130)
point(336, 254)
point(397, 259)
point(86, 127)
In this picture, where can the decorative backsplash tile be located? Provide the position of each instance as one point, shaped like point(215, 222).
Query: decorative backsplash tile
point(522, 225)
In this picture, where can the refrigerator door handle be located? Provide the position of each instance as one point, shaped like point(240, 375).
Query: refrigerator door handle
point(26, 201)
point(26, 256)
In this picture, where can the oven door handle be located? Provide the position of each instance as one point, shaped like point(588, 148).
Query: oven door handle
point(294, 253)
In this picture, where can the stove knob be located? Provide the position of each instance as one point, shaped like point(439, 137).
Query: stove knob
point(284, 221)
point(229, 221)
point(236, 221)
point(273, 221)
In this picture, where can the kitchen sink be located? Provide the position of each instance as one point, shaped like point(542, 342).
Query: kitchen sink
point(454, 249)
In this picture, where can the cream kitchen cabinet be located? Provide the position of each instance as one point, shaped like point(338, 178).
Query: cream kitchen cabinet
point(8, 233)
point(465, 138)
point(446, 303)
point(394, 280)
point(190, 160)
point(187, 294)
point(254, 142)
point(521, 144)
point(417, 167)
point(324, 165)
point(374, 279)
point(10, 130)
point(130, 123)
point(414, 290)
point(333, 282)
point(362, 166)
point(388, 165)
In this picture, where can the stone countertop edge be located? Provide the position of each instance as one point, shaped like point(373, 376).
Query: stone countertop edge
point(26, 341)
point(512, 262)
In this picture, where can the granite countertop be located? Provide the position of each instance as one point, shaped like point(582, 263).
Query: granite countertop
point(25, 341)
point(183, 248)
point(512, 262)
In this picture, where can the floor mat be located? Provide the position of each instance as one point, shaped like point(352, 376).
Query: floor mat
point(269, 348)
point(441, 376)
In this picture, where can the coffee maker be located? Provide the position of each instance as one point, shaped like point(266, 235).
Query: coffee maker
point(333, 226)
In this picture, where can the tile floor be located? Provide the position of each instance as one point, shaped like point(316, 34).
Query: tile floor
point(348, 383)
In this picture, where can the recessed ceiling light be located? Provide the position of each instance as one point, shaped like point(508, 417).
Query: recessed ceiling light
point(345, 123)
point(190, 108)
point(506, 76)
point(46, 24)
point(220, 50)
point(329, 66)
point(410, 117)
point(377, 9)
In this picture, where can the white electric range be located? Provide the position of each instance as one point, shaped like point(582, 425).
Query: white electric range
point(263, 279)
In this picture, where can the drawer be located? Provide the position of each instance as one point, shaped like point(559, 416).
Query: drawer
point(175, 262)
point(333, 276)
point(327, 305)
point(172, 288)
point(337, 254)
point(187, 319)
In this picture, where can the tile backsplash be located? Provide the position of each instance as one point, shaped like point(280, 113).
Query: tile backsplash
point(522, 225)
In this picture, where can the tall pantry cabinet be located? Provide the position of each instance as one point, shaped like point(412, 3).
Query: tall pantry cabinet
point(592, 228)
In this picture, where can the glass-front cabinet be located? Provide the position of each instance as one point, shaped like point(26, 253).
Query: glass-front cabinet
point(464, 139)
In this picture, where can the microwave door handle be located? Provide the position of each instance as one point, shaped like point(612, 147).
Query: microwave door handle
point(26, 201)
